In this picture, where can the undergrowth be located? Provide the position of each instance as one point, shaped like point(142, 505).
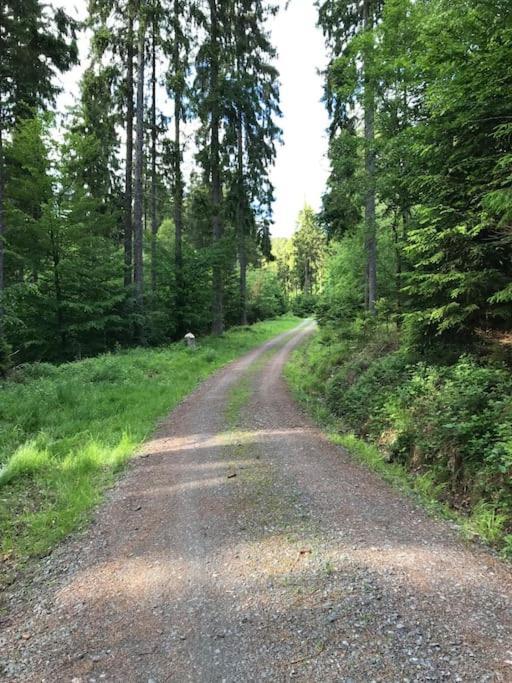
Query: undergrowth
point(65, 431)
point(443, 431)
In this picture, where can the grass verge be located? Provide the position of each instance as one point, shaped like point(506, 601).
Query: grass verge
point(66, 431)
point(483, 523)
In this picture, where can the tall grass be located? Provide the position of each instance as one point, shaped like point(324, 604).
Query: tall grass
point(66, 431)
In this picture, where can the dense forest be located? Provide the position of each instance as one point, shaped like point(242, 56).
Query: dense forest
point(145, 211)
point(139, 214)
point(416, 306)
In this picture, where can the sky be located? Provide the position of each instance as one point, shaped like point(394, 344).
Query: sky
point(301, 166)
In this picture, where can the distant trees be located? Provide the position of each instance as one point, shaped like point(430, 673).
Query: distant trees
point(299, 263)
point(309, 251)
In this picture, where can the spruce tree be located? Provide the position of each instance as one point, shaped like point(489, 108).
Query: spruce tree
point(138, 207)
point(349, 30)
point(252, 130)
point(35, 43)
point(213, 18)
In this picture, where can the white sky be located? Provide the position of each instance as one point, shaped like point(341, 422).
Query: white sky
point(301, 168)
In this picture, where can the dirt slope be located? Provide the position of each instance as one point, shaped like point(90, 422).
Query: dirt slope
point(242, 546)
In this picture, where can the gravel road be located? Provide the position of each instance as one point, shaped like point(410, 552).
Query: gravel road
point(243, 546)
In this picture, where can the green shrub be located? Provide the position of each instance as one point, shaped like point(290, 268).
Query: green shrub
point(5, 356)
point(265, 296)
point(449, 424)
point(304, 305)
point(358, 391)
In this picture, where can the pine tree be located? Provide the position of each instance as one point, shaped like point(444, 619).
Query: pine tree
point(138, 209)
point(178, 46)
point(35, 44)
point(253, 131)
point(213, 18)
point(349, 29)
point(309, 251)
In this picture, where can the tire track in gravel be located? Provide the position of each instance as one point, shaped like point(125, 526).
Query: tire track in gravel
point(243, 546)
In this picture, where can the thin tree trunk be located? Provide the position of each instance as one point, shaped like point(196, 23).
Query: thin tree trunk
point(138, 272)
point(58, 292)
point(128, 216)
point(178, 179)
point(307, 278)
point(2, 229)
point(398, 271)
point(154, 222)
point(370, 165)
point(216, 187)
point(240, 221)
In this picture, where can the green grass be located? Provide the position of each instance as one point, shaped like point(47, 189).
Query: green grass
point(484, 522)
point(66, 431)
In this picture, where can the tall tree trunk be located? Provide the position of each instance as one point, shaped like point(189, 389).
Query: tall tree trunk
point(58, 292)
point(241, 223)
point(128, 191)
point(398, 271)
point(370, 165)
point(2, 229)
point(138, 272)
point(178, 178)
point(154, 221)
point(216, 187)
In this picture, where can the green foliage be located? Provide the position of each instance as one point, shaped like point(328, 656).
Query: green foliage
point(265, 296)
point(448, 426)
point(65, 431)
point(309, 251)
point(304, 304)
point(5, 356)
point(356, 392)
point(443, 107)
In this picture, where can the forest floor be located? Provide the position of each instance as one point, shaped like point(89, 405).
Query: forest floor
point(241, 545)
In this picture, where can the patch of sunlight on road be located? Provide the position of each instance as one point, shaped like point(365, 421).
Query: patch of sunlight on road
point(194, 441)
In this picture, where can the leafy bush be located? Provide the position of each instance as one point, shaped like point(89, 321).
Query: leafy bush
point(448, 424)
point(304, 305)
point(357, 392)
point(5, 359)
point(266, 297)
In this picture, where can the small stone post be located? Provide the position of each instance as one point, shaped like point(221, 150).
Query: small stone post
point(190, 340)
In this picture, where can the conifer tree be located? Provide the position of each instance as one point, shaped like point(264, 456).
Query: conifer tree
point(138, 207)
point(35, 44)
point(252, 130)
point(214, 19)
point(178, 46)
point(349, 29)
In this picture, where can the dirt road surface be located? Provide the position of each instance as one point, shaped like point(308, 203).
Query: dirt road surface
point(243, 546)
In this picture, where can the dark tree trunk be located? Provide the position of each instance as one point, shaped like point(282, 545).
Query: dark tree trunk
point(370, 165)
point(215, 179)
point(154, 218)
point(178, 179)
point(2, 229)
point(128, 216)
point(138, 271)
point(58, 293)
point(398, 272)
point(241, 223)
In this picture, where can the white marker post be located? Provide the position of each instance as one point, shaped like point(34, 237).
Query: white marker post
point(190, 340)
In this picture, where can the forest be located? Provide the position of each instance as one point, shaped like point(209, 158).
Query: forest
point(255, 424)
point(145, 211)
point(415, 351)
